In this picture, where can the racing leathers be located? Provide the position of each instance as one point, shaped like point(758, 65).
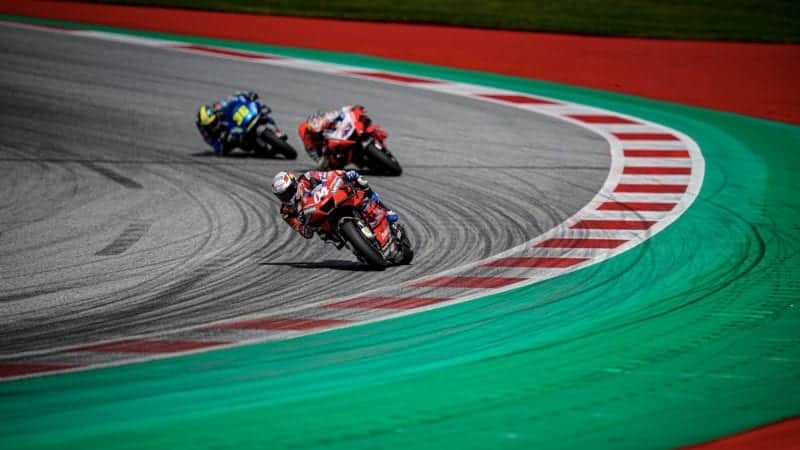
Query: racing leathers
point(217, 134)
point(324, 133)
point(292, 211)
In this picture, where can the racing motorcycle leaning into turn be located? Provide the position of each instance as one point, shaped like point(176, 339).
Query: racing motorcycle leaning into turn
point(348, 136)
point(245, 123)
point(336, 209)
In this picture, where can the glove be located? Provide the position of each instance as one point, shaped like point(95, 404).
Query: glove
point(354, 177)
point(380, 134)
point(252, 96)
point(288, 210)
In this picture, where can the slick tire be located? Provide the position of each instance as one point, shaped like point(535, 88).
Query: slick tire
point(405, 248)
point(362, 245)
point(279, 146)
point(383, 161)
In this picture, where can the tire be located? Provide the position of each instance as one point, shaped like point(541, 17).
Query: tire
point(361, 245)
point(279, 145)
point(408, 255)
point(405, 248)
point(382, 161)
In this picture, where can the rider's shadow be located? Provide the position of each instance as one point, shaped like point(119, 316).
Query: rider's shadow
point(367, 172)
point(245, 155)
point(237, 155)
point(335, 264)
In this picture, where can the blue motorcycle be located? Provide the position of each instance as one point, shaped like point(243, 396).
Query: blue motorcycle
point(257, 131)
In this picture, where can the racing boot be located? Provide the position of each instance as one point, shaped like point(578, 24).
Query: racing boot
point(373, 208)
point(371, 196)
point(391, 216)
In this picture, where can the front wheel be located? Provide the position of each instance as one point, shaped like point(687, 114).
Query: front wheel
point(406, 252)
point(382, 160)
point(361, 245)
point(279, 145)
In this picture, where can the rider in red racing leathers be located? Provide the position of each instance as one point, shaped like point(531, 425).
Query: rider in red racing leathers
point(321, 133)
point(291, 188)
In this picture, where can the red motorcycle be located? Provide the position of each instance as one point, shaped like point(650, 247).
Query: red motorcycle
point(334, 207)
point(356, 140)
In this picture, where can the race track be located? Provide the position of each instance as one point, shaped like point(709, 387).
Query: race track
point(116, 221)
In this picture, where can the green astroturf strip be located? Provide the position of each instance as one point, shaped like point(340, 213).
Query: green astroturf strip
point(693, 335)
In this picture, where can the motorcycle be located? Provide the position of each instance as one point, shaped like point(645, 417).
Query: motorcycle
point(257, 129)
point(356, 140)
point(334, 208)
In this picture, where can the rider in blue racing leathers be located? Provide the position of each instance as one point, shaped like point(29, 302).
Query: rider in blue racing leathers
point(210, 124)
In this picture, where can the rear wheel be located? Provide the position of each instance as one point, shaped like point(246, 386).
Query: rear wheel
point(382, 160)
point(361, 245)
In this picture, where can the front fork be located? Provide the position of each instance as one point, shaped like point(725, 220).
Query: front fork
point(266, 122)
point(273, 127)
point(365, 230)
point(392, 251)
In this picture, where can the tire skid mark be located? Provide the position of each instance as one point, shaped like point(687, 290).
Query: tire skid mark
point(166, 281)
point(122, 180)
point(21, 213)
point(129, 236)
point(205, 264)
point(209, 270)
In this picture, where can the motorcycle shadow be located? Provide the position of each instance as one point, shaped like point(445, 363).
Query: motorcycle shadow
point(238, 155)
point(335, 264)
point(367, 172)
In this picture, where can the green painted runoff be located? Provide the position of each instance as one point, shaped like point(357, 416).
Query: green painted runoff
point(691, 336)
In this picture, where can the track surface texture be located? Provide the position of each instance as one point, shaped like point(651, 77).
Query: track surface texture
point(117, 221)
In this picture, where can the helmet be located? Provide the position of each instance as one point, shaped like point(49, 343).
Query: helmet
point(284, 186)
point(206, 116)
point(317, 123)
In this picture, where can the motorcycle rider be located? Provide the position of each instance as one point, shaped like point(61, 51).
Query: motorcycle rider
point(210, 123)
point(290, 189)
point(318, 130)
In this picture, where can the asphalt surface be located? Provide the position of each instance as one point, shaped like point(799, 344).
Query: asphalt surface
point(115, 220)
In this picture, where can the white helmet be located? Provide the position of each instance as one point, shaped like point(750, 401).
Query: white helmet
point(317, 122)
point(284, 185)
